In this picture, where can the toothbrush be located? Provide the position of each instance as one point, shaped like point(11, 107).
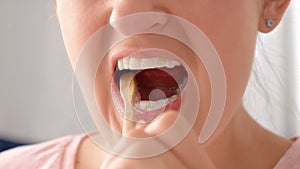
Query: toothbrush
point(128, 90)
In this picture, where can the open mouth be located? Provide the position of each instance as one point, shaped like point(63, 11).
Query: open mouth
point(159, 81)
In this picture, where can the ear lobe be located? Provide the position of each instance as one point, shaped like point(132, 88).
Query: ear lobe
point(273, 10)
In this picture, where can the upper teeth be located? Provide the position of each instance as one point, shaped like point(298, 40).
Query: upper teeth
point(136, 63)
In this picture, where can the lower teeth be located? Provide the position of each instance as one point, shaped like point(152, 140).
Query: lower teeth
point(154, 105)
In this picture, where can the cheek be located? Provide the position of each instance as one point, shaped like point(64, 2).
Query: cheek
point(78, 21)
point(103, 96)
point(232, 30)
point(236, 45)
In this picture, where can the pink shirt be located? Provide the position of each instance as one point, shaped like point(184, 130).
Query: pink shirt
point(61, 154)
point(54, 154)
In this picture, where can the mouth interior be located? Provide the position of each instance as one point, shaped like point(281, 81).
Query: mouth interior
point(169, 80)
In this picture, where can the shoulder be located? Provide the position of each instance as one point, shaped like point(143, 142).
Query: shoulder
point(46, 155)
point(291, 159)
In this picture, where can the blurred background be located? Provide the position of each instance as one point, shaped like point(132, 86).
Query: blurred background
point(36, 76)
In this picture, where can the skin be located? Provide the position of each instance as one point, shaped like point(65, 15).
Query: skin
point(232, 26)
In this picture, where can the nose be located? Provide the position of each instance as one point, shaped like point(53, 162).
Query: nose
point(121, 8)
point(132, 18)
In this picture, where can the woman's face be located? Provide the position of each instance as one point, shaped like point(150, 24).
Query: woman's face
point(231, 26)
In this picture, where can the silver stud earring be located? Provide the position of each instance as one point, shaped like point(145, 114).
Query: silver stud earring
point(270, 23)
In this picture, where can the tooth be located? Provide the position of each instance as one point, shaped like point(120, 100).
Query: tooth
point(120, 64)
point(126, 63)
point(147, 63)
point(134, 63)
point(169, 64)
point(164, 101)
point(153, 105)
point(173, 98)
point(157, 104)
point(181, 87)
point(142, 105)
point(172, 63)
point(159, 62)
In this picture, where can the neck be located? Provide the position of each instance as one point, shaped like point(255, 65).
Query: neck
point(245, 143)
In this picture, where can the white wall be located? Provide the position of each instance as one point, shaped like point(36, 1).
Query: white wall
point(35, 86)
point(280, 51)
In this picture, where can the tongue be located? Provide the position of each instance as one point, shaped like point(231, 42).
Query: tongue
point(165, 79)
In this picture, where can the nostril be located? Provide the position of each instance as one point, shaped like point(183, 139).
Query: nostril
point(140, 23)
point(159, 21)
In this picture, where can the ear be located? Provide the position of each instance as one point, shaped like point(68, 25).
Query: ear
point(273, 10)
